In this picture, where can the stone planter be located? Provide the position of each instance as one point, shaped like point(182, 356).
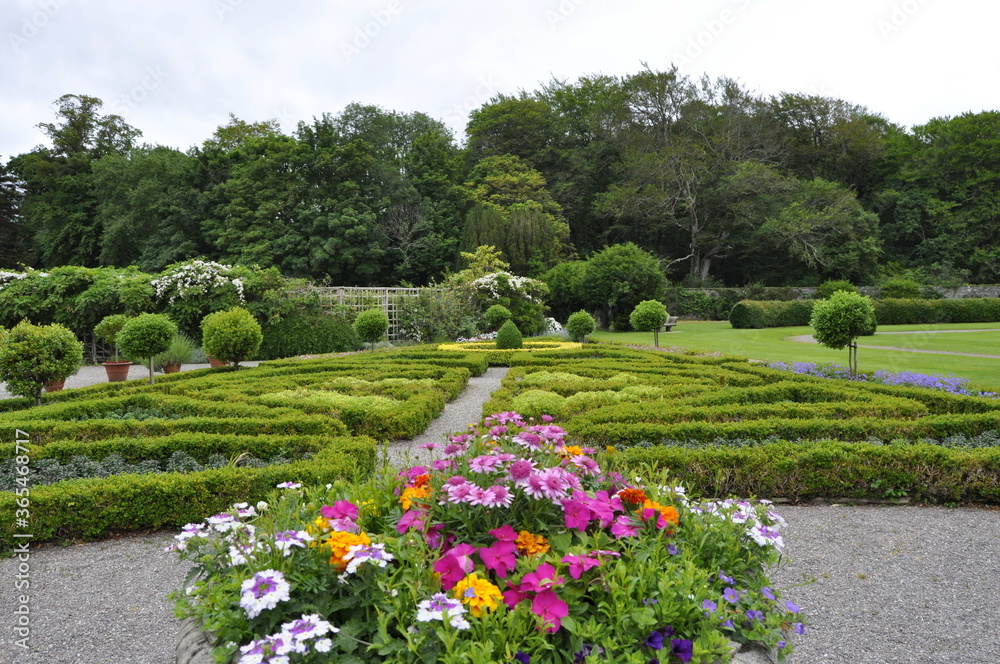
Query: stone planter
point(55, 385)
point(171, 368)
point(195, 647)
point(216, 363)
point(117, 371)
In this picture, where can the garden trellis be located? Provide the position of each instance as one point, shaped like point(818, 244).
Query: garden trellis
point(359, 298)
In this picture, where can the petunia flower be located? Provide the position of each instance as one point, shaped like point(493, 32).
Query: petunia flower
point(500, 558)
point(543, 578)
point(455, 564)
point(682, 649)
point(505, 533)
point(576, 514)
point(580, 564)
point(551, 609)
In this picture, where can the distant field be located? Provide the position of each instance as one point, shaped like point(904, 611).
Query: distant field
point(772, 345)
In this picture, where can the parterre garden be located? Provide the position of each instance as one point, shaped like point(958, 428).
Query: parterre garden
point(720, 424)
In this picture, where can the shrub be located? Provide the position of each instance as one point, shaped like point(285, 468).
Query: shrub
point(750, 314)
point(901, 288)
point(146, 335)
point(618, 278)
point(565, 282)
point(838, 322)
point(509, 337)
point(302, 333)
point(496, 316)
point(649, 315)
point(233, 335)
point(182, 348)
point(580, 325)
point(108, 329)
point(828, 288)
point(437, 314)
point(523, 297)
point(371, 326)
point(32, 355)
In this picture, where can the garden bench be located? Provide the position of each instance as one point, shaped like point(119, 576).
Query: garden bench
point(671, 321)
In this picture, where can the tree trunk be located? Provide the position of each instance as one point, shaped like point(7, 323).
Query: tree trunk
point(151, 382)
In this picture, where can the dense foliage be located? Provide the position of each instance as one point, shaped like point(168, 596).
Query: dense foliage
point(146, 335)
point(579, 325)
point(720, 184)
point(371, 326)
point(839, 320)
point(233, 335)
point(32, 355)
point(509, 337)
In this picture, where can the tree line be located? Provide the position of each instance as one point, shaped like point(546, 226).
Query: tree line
point(722, 185)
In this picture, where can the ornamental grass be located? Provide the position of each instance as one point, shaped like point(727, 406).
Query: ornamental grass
point(510, 547)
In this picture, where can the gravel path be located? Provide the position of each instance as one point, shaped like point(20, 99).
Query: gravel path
point(890, 585)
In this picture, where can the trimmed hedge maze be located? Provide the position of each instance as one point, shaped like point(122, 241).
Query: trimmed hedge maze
point(730, 427)
point(324, 415)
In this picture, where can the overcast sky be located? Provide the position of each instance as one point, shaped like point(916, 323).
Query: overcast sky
point(177, 69)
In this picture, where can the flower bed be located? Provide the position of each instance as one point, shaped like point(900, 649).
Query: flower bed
point(513, 547)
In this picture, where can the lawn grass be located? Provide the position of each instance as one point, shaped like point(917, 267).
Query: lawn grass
point(772, 345)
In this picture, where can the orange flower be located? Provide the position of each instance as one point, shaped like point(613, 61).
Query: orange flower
point(422, 481)
point(477, 594)
point(412, 494)
point(531, 545)
point(340, 544)
point(570, 450)
point(632, 496)
point(668, 513)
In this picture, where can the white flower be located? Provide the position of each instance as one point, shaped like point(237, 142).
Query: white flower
point(263, 591)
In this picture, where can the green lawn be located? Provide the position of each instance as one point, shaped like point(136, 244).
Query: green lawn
point(772, 345)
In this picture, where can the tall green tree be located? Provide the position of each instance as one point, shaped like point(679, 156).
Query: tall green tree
point(15, 240)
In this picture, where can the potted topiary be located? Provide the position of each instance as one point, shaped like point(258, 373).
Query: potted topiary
point(33, 357)
point(180, 352)
point(146, 336)
point(108, 330)
point(233, 335)
point(371, 326)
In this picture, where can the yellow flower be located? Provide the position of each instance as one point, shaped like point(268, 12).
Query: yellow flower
point(412, 494)
point(340, 543)
point(477, 594)
point(531, 545)
point(570, 450)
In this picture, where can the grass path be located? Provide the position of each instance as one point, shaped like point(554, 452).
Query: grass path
point(776, 345)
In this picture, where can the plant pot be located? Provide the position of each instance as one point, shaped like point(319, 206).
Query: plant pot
point(117, 371)
point(216, 363)
point(55, 385)
point(171, 368)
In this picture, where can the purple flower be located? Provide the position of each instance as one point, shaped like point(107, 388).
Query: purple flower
point(799, 628)
point(682, 649)
point(728, 625)
point(754, 615)
point(671, 549)
point(522, 657)
point(730, 595)
point(766, 592)
point(709, 605)
point(725, 579)
point(792, 607)
point(655, 640)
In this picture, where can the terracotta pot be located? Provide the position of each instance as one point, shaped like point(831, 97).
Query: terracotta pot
point(171, 368)
point(216, 363)
point(117, 371)
point(55, 385)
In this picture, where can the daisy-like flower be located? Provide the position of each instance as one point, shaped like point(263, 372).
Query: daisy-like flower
point(485, 463)
point(263, 591)
point(555, 483)
point(440, 605)
point(286, 539)
point(528, 440)
point(289, 485)
point(520, 470)
point(586, 464)
point(497, 496)
point(478, 594)
point(360, 554)
point(459, 493)
point(244, 510)
point(189, 531)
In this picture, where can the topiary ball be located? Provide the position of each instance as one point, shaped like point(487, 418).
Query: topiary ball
point(580, 325)
point(496, 316)
point(508, 336)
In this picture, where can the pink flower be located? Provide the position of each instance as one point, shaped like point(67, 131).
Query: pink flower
point(543, 578)
point(555, 483)
point(455, 480)
point(434, 539)
point(547, 418)
point(411, 519)
point(504, 418)
point(442, 464)
point(501, 558)
point(455, 565)
point(484, 464)
point(452, 450)
point(514, 595)
point(588, 465)
point(476, 495)
point(460, 438)
point(498, 431)
point(577, 514)
point(550, 609)
point(520, 470)
point(459, 493)
point(625, 526)
point(580, 564)
point(529, 440)
point(604, 507)
point(413, 473)
point(342, 509)
point(505, 533)
point(429, 446)
point(497, 496)
point(534, 486)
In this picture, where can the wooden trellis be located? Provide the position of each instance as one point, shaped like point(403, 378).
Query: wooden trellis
point(360, 298)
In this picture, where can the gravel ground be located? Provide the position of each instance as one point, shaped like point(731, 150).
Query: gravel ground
point(889, 585)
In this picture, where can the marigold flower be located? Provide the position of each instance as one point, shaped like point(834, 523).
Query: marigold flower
point(570, 450)
point(422, 481)
point(477, 594)
point(667, 512)
point(412, 494)
point(340, 544)
point(531, 545)
point(632, 496)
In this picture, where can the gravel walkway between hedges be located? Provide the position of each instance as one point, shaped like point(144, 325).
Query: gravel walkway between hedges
point(893, 585)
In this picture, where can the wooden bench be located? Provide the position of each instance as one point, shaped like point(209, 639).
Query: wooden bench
point(671, 321)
